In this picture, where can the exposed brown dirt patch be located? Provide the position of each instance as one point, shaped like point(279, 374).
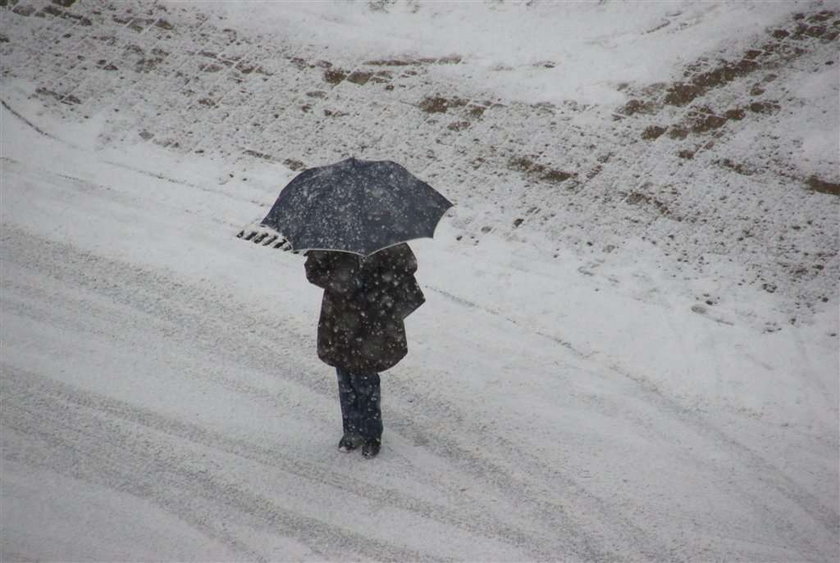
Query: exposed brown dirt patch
point(764, 107)
point(64, 99)
point(335, 75)
point(362, 77)
point(55, 11)
point(383, 76)
point(815, 31)
point(439, 104)
point(391, 62)
point(822, 16)
point(677, 133)
point(777, 49)
point(537, 171)
point(294, 165)
point(448, 60)
point(147, 64)
point(737, 167)
point(300, 63)
point(736, 114)
point(458, 125)
point(653, 132)
point(359, 77)
point(823, 187)
point(635, 106)
point(704, 121)
point(556, 176)
point(637, 198)
point(24, 10)
point(683, 93)
point(257, 154)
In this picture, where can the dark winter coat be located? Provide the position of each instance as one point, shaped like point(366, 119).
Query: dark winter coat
point(365, 301)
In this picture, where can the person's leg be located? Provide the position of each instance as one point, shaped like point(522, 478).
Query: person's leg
point(349, 412)
point(368, 399)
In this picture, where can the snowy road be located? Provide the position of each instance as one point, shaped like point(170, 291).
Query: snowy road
point(162, 400)
point(629, 347)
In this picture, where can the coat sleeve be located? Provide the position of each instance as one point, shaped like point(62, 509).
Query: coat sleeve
point(337, 272)
point(409, 297)
point(406, 291)
point(390, 281)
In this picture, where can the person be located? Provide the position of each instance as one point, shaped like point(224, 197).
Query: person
point(361, 330)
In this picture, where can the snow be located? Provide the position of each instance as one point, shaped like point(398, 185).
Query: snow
point(161, 394)
point(592, 46)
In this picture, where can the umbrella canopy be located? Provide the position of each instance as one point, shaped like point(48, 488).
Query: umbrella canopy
point(358, 206)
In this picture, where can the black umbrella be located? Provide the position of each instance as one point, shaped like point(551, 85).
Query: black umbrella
point(357, 206)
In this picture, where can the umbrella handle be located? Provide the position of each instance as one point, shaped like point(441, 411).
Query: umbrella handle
point(264, 236)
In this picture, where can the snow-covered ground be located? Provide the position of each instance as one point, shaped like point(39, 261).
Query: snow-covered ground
point(629, 348)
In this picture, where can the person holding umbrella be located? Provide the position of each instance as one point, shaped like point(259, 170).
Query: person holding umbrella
point(361, 330)
point(353, 219)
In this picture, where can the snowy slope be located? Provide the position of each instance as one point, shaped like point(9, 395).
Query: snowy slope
point(621, 400)
point(705, 132)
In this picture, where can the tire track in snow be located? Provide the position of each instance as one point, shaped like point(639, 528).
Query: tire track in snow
point(156, 299)
point(573, 522)
point(156, 296)
point(767, 478)
point(225, 332)
point(115, 412)
point(766, 473)
point(112, 444)
point(571, 517)
point(248, 338)
point(24, 120)
point(233, 333)
point(240, 336)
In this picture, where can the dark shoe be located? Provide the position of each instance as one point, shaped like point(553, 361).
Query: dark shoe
point(371, 447)
point(349, 442)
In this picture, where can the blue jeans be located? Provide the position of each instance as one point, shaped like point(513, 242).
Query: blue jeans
point(360, 396)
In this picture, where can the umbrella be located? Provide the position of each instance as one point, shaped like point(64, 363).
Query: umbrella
point(357, 206)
